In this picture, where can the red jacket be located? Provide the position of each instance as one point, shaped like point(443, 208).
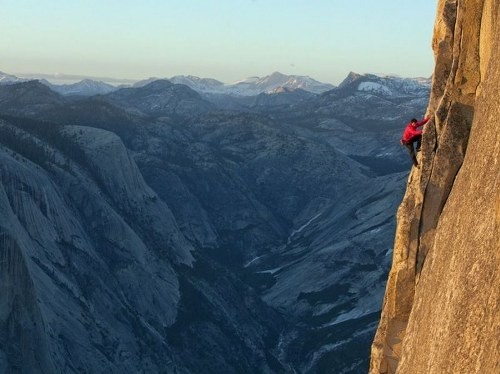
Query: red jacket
point(411, 130)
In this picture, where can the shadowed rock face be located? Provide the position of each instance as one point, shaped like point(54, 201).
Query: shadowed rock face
point(95, 274)
point(441, 305)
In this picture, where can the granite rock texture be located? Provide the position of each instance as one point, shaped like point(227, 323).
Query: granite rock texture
point(441, 306)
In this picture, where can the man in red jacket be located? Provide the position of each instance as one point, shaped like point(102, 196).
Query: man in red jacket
point(411, 135)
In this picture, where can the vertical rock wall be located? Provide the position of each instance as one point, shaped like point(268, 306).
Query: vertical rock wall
point(442, 297)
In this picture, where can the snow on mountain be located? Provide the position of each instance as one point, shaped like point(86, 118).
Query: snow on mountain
point(384, 85)
point(373, 86)
point(248, 80)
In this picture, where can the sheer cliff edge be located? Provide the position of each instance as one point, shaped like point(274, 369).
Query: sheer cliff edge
point(441, 310)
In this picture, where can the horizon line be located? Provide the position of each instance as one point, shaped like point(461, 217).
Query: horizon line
point(107, 79)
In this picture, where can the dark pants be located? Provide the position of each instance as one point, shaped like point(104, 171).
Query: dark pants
point(409, 146)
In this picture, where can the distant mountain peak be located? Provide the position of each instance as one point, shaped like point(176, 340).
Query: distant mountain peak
point(158, 84)
point(383, 85)
point(351, 77)
point(198, 84)
point(269, 83)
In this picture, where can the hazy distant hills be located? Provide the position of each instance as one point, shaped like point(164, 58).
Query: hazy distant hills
point(86, 87)
point(64, 79)
point(147, 226)
point(247, 87)
point(253, 86)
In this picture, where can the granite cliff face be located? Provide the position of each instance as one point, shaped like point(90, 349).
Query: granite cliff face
point(441, 308)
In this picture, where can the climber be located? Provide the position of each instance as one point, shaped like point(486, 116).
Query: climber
point(412, 135)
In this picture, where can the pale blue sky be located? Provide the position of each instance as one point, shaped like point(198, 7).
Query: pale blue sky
point(222, 39)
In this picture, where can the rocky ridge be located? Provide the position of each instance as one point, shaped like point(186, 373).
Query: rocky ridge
point(441, 305)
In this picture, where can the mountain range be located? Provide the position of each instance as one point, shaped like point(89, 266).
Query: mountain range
point(248, 87)
point(157, 228)
point(252, 86)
